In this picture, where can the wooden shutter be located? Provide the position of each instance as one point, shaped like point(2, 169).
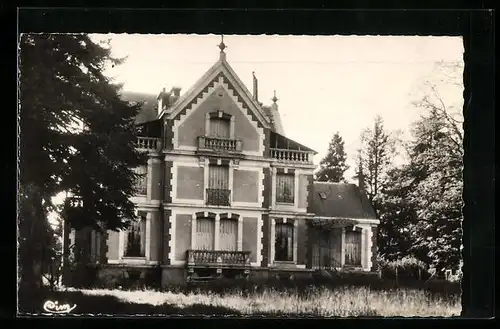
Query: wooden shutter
point(284, 242)
point(205, 233)
point(353, 248)
point(228, 234)
point(142, 182)
point(219, 128)
point(285, 188)
point(218, 177)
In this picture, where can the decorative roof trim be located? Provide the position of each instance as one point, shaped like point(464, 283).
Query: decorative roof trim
point(220, 67)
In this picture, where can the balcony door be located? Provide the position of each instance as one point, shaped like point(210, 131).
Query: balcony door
point(218, 192)
point(205, 228)
point(228, 234)
point(219, 128)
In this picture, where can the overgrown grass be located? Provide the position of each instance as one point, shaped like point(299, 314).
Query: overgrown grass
point(315, 301)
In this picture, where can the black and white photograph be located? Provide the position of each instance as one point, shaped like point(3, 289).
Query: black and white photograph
point(240, 175)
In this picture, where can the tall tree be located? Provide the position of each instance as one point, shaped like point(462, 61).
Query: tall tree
point(374, 157)
point(333, 165)
point(438, 195)
point(420, 204)
point(62, 87)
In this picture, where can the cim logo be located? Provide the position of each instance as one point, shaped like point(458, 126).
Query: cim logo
point(54, 307)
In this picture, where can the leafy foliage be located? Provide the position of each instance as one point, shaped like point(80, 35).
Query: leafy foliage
point(333, 165)
point(77, 135)
point(420, 204)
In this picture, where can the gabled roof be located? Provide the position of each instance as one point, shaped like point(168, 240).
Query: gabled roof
point(341, 201)
point(221, 67)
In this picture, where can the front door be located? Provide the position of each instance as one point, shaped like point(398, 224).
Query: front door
point(325, 249)
point(353, 248)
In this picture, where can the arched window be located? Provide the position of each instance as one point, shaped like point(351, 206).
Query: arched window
point(205, 228)
point(228, 234)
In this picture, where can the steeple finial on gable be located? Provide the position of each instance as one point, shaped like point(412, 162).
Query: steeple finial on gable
point(274, 99)
point(222, 46)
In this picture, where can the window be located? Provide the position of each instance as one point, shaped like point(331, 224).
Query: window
point(141, 184)
point(228, 234)
point(283, 247)
point(135, 238)
point(353, 248)
point(219, 128)
point(95, 246)
point(218, 192)
point(205, 228)
point(285, 186)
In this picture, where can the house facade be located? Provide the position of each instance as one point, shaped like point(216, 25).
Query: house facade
point(225, 193)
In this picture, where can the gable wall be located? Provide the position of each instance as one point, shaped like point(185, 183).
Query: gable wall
point(194, 124)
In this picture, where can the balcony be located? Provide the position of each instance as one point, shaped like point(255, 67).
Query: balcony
point(148, 144)
point(218, 197)
point(219, 144)
point(217, 258)
point(292, 156)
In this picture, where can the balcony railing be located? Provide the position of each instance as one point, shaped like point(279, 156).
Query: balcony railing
point(218, 257)
point(219, 144)
point(148, 144)
point(283, 155)
point(218, 197)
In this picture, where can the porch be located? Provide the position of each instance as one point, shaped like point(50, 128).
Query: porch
point(337, 244)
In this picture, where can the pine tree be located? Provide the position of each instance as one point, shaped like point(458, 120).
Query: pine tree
point(62, 87)
point(333, 165)
point(375, 155)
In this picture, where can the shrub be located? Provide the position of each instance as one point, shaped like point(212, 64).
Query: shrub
point(407, 267)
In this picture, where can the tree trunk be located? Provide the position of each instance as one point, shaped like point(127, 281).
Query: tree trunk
point(31, 228)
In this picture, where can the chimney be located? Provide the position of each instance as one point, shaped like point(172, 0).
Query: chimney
point(160, 100)
point(175, 93)
point(255, 88)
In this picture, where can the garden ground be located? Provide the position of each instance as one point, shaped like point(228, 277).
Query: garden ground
point(341, 301)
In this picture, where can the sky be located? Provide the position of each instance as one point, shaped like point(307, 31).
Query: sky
point(324, 84)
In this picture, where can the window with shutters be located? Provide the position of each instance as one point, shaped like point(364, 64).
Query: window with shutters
point(228, 234)
point(205, 228)
point(285, 187)
point(220, 127)
point(135, 238)
point(218, 192)
point(353, 248)
point(283, 248)
point(141, 183)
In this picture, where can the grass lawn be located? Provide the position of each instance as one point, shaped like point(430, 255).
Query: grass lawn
point(315, 301)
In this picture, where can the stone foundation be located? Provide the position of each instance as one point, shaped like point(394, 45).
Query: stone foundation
point(155, 277)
